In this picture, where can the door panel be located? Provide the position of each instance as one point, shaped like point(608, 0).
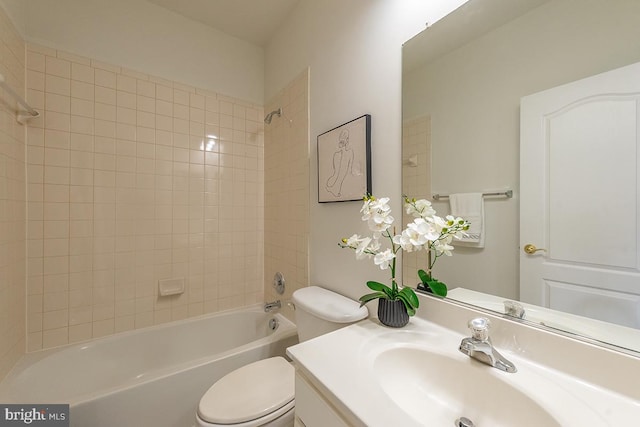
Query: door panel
point(592, 182)
point(579, 197)
point(615, 307)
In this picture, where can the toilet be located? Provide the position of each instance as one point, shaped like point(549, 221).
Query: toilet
point(261, 394)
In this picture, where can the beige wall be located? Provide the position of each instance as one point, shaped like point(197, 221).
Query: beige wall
point(286, 169)
point(123, 191)
point(119, 192)
point(473, 96)
point(353, 49)
point(416, 183)
point(98, 240)
point(12, 201)
point(143, 36)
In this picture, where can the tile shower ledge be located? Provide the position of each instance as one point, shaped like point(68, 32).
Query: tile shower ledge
point(341, 365)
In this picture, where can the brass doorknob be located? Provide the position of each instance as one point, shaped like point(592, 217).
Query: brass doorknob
point(531, 249)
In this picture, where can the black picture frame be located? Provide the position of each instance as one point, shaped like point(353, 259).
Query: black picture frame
point(344, 161)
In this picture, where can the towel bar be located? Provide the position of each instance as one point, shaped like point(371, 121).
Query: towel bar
point(507, 193)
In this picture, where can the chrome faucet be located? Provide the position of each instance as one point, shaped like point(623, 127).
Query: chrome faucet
point(479, 346)
point(270, 306)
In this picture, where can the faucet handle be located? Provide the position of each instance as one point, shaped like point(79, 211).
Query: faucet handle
point(513, 309)
point(479, 328)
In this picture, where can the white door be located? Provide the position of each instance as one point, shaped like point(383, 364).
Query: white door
point(579, 185)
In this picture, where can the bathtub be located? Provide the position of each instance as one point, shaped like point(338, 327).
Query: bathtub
point(148, 377)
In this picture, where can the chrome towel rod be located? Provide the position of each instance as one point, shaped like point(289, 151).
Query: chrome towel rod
point(32, 113)
point(507, 193)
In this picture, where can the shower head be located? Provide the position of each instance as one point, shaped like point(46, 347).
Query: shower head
point(269, 116)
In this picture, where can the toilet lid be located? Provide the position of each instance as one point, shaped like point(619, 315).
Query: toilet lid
point(250, 392)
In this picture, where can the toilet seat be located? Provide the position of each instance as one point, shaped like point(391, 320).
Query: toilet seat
point(250, 396)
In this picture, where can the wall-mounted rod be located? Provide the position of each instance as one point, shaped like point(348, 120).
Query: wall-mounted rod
point(32, 113)
point(507, 193)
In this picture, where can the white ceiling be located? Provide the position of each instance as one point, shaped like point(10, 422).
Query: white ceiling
point(254, 21)
point(466, 23)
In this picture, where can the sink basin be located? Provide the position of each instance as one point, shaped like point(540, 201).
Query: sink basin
point(416, 377)
point(437, 389)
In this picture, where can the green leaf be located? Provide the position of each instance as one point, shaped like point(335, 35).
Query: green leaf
point(424, 277)
point(381, 287)
point(377, 286)
point(410, 296)
point(438, 288)
point(407, 304)
point(368, 297)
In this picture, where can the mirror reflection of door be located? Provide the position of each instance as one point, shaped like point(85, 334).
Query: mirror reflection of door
point(579, 197)
point(468, 73)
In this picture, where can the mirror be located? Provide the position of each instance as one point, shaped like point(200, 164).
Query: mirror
point(463, 79)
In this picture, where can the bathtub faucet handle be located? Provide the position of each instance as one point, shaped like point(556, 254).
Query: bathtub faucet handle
point(270, 306)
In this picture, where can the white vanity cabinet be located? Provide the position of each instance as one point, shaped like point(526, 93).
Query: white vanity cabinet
point(312, 408)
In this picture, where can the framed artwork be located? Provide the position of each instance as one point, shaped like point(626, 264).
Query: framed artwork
point(344, 161)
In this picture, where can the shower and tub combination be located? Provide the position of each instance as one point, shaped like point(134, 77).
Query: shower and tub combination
point(153, 376)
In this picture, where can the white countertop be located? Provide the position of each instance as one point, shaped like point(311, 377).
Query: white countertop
point(605, 332)
point(342, 365)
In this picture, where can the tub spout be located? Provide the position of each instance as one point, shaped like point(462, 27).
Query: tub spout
point(270, 306)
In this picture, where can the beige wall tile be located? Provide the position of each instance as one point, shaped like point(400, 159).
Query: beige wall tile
point(286, 204)
point(57, 67)
point(13, 194)
point(56, 84)
point(125, 189)
point(83, 73)
point(105, 78)
point(81, 90)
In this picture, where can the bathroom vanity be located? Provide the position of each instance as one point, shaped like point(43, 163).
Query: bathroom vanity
point(371, 375)
point(317, 408)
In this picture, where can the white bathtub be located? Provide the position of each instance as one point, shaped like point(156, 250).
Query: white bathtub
point(148, 377)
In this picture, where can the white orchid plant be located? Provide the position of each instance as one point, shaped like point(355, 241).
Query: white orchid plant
point(433, 234)
point(427, 231)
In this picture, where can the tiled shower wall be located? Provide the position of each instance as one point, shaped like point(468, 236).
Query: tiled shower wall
point(132, 179)
point(416, 183)
point(12, 201)
point(287, 188)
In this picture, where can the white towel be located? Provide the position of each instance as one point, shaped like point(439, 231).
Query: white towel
point(469, 206)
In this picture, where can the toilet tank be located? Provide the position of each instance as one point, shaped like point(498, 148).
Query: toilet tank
point(319, 311)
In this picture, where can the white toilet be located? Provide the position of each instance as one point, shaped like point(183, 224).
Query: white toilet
point(262, 393)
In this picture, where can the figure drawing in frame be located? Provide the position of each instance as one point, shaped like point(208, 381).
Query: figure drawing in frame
point(344, 161)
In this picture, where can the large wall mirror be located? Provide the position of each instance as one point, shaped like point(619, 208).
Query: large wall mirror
point(464, 79)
